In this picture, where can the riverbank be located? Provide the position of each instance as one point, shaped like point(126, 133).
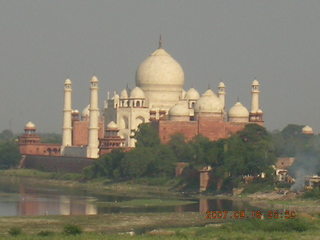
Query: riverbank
point(101, 186)
point(160, 226)
point(149, 188)
point(164, 225)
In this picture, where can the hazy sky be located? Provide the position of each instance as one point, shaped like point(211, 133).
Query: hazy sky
point(43, 42)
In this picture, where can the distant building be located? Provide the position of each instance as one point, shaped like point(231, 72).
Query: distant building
point(158, 97)
point(307, 130)
point(30, 143)
point(281, 168)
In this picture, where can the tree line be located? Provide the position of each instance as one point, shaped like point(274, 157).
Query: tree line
point(249, 152)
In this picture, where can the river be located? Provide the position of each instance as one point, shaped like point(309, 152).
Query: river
point(20, 197)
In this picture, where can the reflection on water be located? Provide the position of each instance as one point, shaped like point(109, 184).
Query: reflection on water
point(26, 199)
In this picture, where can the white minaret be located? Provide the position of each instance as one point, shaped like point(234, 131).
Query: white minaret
point(255, 96)
point(93, 141)
point(67, 110)
point(222, 93)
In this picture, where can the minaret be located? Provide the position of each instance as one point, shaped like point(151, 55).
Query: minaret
point(255, 96)
point(93, 141)
point(67, 116)
point(222, 93)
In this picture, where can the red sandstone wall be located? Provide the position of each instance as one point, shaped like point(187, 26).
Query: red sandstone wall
point(169, 128)
point(80, 132)
point(46, 149)
point(210, 128)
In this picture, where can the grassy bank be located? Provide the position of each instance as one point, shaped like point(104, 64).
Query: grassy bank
point(161, 226)
point(137, 188)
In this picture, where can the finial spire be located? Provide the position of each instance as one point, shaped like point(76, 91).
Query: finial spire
point(160, 41)
point(238, 99)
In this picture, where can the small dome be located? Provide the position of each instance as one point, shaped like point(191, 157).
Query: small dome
point(209, 92)
point(30, 125)
point(115, 97)
point(183, 94)
point(208, 103)
point(124, 94)
point(238, 111)
point(85, 111)
point(68, 81)
point(192, 94)
point(180, 109)
point(94, 79)
point(221, 85)
point(307, 130)
point(255, 83)
point(112, 125)
point(137, 93)
point(75, 111)
point(259, 111)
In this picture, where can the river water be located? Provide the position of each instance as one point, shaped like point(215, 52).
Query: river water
point(20, 197)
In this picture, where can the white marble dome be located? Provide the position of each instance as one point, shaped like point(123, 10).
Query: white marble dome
point(192, 94)
point(161, 77)
point(208, 103)
point(255, 83)
point(221, 85)
point(180, 109)
point(30, 125)
point(238, 111)
point(307, 130)
point(112, 125)
point(137, 93)
point(85, 111)
point(124, 94)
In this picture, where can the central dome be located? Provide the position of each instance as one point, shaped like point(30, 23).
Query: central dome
point(161, 77)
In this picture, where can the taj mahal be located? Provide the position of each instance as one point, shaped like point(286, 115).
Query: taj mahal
point(158, 97)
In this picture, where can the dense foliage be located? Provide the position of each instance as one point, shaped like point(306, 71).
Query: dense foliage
point(250, 152)
point(291, 142)
point(9, 150)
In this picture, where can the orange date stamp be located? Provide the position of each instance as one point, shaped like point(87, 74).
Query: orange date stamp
point(244, 214)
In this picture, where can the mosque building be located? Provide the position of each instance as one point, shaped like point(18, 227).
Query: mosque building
point(158, 97)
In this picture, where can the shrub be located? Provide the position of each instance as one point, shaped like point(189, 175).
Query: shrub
point(270, 225)
point(71, 229)
point(14, 231)
point(313, 194)
point(45, 233)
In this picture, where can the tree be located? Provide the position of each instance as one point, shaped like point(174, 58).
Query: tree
point(147, 136)
point(250, 152)
point(138, 162)
point(9, 154)
point(6, 135)
point(181, 149)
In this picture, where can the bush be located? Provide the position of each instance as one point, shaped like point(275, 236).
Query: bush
point(258, 187)
point(270, 225)
point(71, 229)
point(14, 231)
point(45, 233)
point(313, 194)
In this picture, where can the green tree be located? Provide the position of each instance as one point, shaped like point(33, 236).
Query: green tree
point(165, 161)
point(181, 149)
point(147, 136)
point(250, 152)
point(9, 154)
point(6, 135)
point(138, 162)
point(50, 137)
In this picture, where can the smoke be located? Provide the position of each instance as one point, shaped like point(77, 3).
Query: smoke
point(306, 164)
